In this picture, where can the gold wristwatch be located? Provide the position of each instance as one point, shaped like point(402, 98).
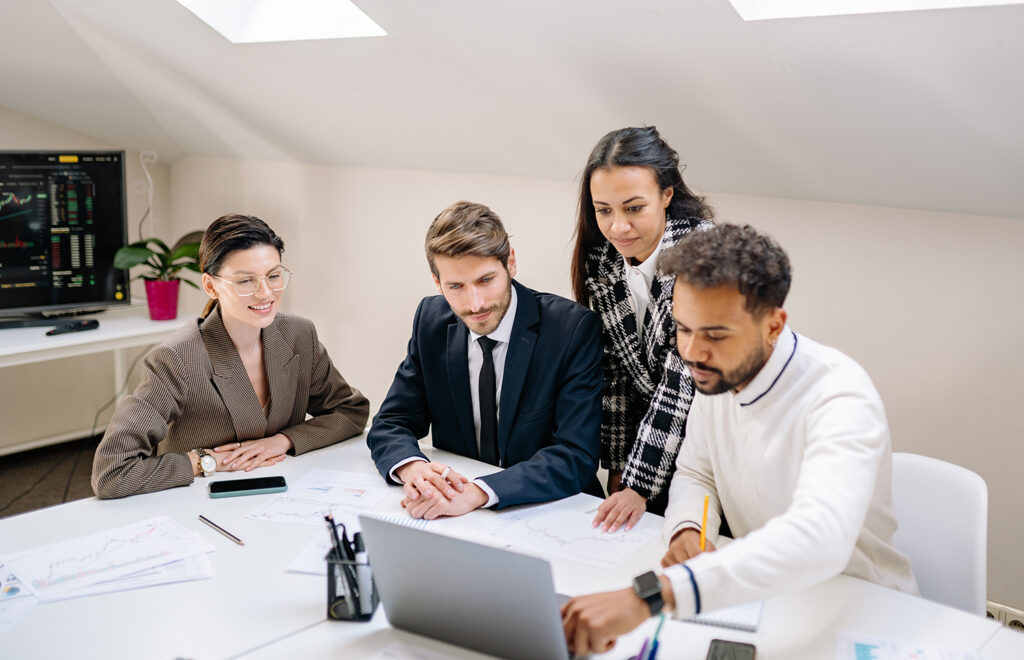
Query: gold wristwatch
point(207, 463)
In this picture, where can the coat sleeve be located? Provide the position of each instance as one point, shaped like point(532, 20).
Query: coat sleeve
point(338, 410)
point(125, 462)
point(569, 461)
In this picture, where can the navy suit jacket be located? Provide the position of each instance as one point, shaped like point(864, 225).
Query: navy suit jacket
point(549, 416)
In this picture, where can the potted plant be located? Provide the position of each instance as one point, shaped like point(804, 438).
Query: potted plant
point(164, 265)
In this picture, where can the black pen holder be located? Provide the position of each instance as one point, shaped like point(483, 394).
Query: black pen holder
point(344, 578)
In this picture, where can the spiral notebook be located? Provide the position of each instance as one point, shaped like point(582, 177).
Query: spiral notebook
point(739, 617)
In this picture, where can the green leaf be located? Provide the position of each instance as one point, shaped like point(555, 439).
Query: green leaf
point(191, 237)
point(190, 250)
point(130, 256)
point(191, 284)
point(161, 244)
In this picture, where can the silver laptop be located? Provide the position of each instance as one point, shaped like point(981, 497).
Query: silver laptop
point(471, 595)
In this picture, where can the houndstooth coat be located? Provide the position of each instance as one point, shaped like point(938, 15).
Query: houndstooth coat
point(647, 390)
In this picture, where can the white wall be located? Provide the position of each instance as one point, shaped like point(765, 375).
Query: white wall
point(354, 237)
point(54, 398)
point(928, 302)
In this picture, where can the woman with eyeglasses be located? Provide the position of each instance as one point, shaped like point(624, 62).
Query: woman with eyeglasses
point(232, 390)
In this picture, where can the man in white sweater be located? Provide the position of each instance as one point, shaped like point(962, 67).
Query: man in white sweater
point(786, 437)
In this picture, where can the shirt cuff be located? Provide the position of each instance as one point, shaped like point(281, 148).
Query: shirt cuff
point(686, 524)
point(391, 472)
point(684, 589)
point(492, 498)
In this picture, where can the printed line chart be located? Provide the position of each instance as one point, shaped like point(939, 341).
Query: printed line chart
point(569, 534)
point(318, 492)
point(58, 570)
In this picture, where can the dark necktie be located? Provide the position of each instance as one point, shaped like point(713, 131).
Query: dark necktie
point(488, 405)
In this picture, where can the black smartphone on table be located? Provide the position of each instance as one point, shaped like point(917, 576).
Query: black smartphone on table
point(722, 649)
point(255, 486)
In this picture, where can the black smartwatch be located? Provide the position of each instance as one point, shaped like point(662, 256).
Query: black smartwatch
point(648, 588)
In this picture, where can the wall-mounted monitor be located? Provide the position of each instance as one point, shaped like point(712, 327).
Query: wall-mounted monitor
point(62, 218)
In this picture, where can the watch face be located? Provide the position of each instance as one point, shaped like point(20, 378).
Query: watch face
point(647, 584)
point(208, 463)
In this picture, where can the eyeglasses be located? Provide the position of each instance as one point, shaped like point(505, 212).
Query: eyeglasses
point(248, 285)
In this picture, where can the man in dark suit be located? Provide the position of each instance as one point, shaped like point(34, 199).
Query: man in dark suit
point(495, 371)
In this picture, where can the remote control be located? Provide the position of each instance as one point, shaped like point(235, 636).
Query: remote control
point(74, 326)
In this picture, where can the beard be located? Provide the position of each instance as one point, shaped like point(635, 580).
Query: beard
point(490, 324)
point(735, 378)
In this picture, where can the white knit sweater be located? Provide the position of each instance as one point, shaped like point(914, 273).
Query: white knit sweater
point(800, 463)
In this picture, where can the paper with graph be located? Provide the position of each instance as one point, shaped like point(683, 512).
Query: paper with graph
point(553, 532)
point(857, 646)
point(318, 492)
point(311, 558)
point(196, 567)
point(15, 599)
point(69, 568)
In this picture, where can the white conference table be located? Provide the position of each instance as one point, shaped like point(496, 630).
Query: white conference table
point(254, 608)
point(1006, 643)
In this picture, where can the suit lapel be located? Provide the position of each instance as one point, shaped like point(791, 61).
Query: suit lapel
point(517, 362)
point(231, 381)
point(278, 360)
point(458, 384)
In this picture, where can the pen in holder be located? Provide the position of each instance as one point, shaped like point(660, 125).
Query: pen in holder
point(351, 589)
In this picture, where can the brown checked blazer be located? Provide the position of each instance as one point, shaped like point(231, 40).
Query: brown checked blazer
point(195, 393)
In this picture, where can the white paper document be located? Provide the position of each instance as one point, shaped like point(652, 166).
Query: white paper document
point(197, 567)
point(15, 600)
point(311, 558)
point(855, 646)
point(62, 570)
point(550, 531)
point(11, 612)
point(741, 617)
point(318, 492)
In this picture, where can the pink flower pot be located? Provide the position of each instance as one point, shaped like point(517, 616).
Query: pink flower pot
point(162, 296)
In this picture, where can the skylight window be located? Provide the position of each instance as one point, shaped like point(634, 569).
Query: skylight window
point(757, 10)
point(257, 21)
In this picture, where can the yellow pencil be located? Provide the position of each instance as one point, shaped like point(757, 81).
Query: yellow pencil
point(704, 523)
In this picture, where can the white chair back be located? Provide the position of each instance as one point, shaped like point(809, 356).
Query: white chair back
point(942, 511)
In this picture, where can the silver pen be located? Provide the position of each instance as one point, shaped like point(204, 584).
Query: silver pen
point(221, 530)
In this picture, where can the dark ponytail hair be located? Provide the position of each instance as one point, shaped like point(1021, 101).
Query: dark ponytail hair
point(230, 233)
point(626, 147)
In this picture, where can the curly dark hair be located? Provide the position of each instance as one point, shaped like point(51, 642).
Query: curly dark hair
point(733, 255)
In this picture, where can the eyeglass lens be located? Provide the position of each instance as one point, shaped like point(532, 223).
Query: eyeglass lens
point(277, 281)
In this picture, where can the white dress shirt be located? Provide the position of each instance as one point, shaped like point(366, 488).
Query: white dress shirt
point(502, 335)
point(639, 279)
point(800, 462)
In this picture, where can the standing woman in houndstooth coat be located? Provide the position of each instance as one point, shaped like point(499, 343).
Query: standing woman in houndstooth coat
point(633, 205)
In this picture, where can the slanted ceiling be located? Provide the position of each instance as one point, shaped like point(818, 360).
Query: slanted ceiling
point(917, 109)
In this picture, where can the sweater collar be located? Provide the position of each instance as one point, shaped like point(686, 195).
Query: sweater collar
point(768, 376)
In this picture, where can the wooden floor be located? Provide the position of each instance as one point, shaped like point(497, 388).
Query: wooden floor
point(46, 476)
